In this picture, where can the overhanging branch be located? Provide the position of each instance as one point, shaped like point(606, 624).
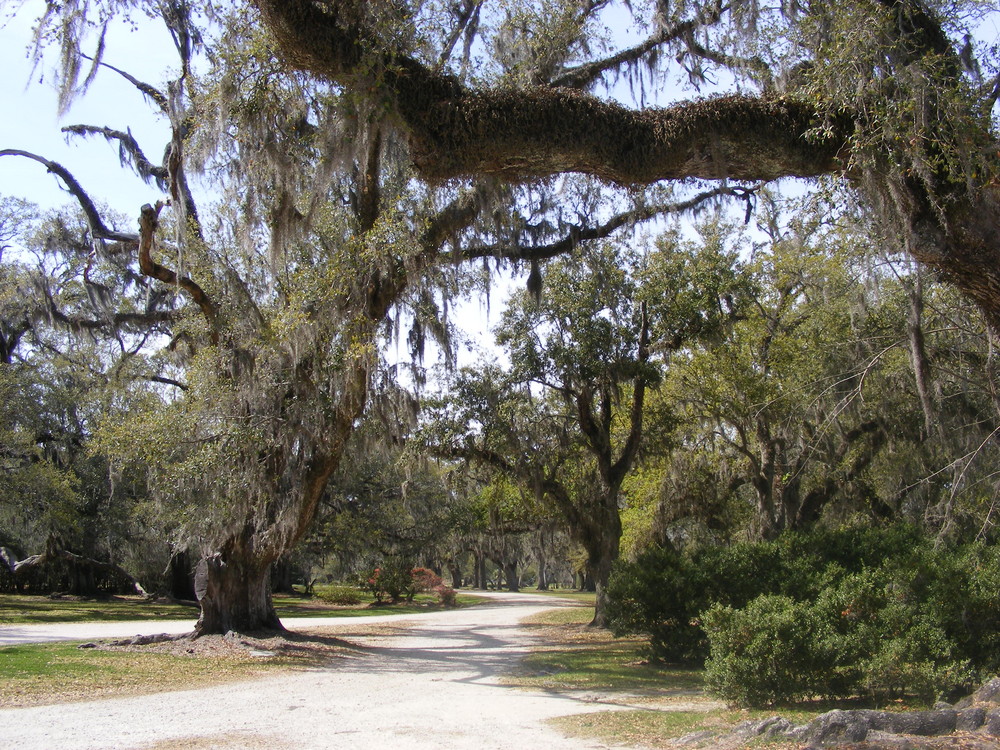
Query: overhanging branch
point(98, 229)
point(578, 234)
point(524, 133)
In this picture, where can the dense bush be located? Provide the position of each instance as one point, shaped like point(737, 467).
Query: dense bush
point(339, 594)
point(397, 581)
point(771, 650)
point(393, 580)
point(852, 612)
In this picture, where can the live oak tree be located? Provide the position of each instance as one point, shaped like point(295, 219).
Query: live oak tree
point(565, 419)
point(888, 93)
point(323, 244)
point(473, 97)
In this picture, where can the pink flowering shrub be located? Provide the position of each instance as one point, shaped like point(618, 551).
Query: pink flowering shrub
point(446, 595)
point(391, 581)
point(395, 582)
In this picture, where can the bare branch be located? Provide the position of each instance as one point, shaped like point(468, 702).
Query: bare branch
point(128, 151)
point(150, 91)
point(168, 381)
point(98, 229)
point(583, 76)
point(148, 220)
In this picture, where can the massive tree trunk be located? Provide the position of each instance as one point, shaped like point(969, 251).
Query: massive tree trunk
point(602, 542)
point(455, 571)
point(511, 578)
point(234, 588)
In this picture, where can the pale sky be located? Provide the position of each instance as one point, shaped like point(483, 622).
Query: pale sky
point(31, 120)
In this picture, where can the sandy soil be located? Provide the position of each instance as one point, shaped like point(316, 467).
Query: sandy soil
point(431, 681)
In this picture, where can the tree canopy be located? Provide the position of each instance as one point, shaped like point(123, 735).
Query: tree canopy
point(364, 153)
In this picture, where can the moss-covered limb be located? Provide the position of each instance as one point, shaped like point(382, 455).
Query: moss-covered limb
point(517, 134)
point(523, 133)
point(95, 221)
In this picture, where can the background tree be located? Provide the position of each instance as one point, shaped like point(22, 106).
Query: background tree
point(565, 420)
point(810, 406)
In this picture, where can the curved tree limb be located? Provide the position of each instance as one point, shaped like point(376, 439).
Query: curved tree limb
point(148, 220)
point(525, 133)
point(98, 228)
point(149, 91)
point(578, 234)
point(128, 151)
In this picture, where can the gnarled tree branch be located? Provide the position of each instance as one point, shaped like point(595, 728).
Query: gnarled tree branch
point(148, 220)
point(530, 132)
point(98, 229)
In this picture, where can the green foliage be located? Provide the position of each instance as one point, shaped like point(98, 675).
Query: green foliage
point(393, 580)
point(396, 580)
point(877, 613)
point(340, 595)
point(767, 652)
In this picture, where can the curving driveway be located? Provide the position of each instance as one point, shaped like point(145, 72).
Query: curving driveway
point(433, 684)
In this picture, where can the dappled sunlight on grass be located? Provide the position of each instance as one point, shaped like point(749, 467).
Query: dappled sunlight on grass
point(19, 609)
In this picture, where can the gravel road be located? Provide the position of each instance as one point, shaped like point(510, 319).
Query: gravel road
point(432, 684)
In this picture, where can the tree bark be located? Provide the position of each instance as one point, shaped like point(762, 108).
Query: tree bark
point(455, 571)
point(543, 560)
point(602, 551)
point(510, 576)
point(234, 589)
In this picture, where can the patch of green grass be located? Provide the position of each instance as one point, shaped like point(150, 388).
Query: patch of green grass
point(606, 666)
point(579, 615)
point(17, 609)
point(586, 597)
point(35, 674)
point(578, 657)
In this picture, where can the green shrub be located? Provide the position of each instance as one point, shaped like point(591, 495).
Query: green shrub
point(660, 596)
point(770, 651)
point(877, 613)
point(341, 595)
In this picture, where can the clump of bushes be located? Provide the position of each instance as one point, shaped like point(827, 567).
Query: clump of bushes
point(397, 581)
point(875, 613)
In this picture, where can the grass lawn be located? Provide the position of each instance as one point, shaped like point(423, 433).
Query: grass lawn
point(57, 673)
point(668, 702)
point(17, 610)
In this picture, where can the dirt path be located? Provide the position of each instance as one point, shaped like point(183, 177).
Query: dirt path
point(430, 684)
